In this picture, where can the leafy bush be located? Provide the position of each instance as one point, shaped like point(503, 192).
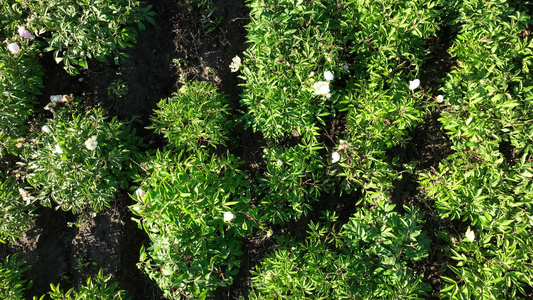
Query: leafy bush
point(97, 288)
point(196, 114)
point(313, 60)
point(290, 42)
point(93, 29)
point(384, 53)
point(367, 259)
point(12, 283)
point(194, 209)
point(16, 214)
point(79, 160)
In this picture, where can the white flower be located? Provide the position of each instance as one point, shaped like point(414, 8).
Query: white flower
point(46, 129)
point(312, 74)
point(269, 233)
point(58, 149)
point(23, 32)
point(50, 106)
point(235, 64)
point(328, 95)
point(228, 216)
point(91, 143)
point(440, 98)
point(328, 58)
point(26, 196)
point(139, 194)
point(414, 84)
point(14, 48)
point(469, 235)
point(321, 88)
point(56, 98)
point(328, 76)
point(279, 163)
point(335, 157)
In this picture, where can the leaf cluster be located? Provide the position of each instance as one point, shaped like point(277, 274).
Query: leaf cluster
point(12, 282)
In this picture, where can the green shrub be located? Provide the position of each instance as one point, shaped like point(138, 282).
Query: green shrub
point(487, 181)
point(197, 114)
point(12, 282)
point(292, 44)
point(97, 288)
point(194, 207)
point(368, 258)
point(79, 160)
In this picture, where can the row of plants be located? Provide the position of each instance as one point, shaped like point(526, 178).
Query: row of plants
point(299, 76)
point(487, 182)
point(74, 158)
point(197, 208)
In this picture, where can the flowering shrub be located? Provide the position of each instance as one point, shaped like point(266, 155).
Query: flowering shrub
point(281, 91)
point(79, 160)
point(194, 208)
point(82, 30)
point(16, 214)
point(20, 83)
